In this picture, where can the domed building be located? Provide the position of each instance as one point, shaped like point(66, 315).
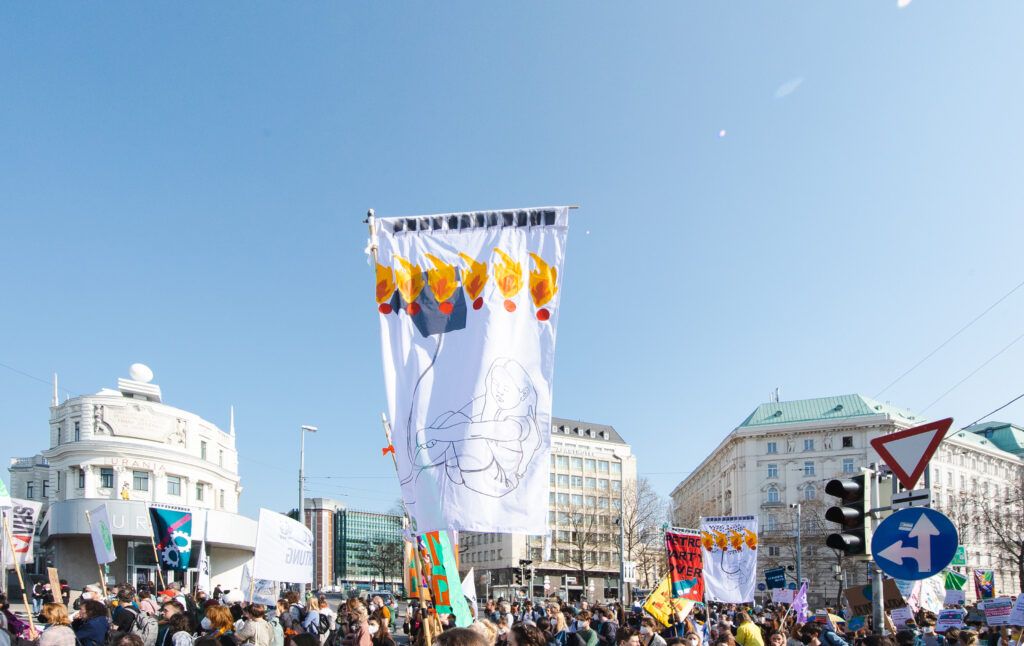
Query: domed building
point(129, 449)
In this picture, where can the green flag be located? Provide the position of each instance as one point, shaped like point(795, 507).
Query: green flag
point(955, 580)
point(445, 584)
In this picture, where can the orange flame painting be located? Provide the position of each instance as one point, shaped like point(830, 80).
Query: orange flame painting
point(751, 539)
point(508, 275)
point(543, 285)
point(410, 283)
point(385, 288)
point(474, 279)
point(736, 540)
point(707, 541)
point(720, 540)
point(442, 283)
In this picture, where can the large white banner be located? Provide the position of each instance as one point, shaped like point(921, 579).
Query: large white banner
point(102, 536)
point(257, 590)
point(22, 518)
point(729, 548)
point(468, 306)
point(284, 550)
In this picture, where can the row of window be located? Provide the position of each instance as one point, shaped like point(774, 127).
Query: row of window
point(140, 482)
point(849, 466)
point(581, 482)
point(579, 500)
point(203, 449)
point(811, 445)
point(579, 519)
point(588, 465)
point(773, 495)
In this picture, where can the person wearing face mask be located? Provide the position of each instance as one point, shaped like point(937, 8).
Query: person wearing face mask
point(649, 634)
point(583, 629)
point(219, 623)
point(379, 635)
point(692, 639)
point(502, 632)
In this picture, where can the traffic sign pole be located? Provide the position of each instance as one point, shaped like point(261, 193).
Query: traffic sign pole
point(878, 585)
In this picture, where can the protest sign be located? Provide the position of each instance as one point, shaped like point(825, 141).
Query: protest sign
point(662, 605)
point(951, 618)
point(102, 535)
point(856, 623)
point(900, 616)
point(446, 584)
point(685, 564)
point(860, 604)
point(783, 596)
point(258, 590)
point(997, 611)
point(284, 549)
point(955, 597)
point(775, 578)
point(729, 558)
point(1017, 614)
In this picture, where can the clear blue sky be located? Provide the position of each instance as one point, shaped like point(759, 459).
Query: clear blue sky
point(183, 185)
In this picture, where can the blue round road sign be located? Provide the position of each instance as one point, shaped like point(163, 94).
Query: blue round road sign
point(762, 587)
point(791, 585)
point(914, 543)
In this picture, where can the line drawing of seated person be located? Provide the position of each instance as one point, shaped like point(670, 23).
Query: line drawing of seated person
point(487, 445)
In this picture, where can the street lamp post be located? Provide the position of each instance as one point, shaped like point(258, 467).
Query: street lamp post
point(622, 532)
point(799, 571)
point(302, 467)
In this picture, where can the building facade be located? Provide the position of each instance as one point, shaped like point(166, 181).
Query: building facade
point(775, 465)
point(128, 449)
point(353, 547)
point(591, 467)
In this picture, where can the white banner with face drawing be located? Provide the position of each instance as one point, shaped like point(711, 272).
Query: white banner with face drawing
point(729, 548)
point(468, 306)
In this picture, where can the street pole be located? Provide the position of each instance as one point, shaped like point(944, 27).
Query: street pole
point(302, 484)
point(799, 569)
point(877, 592)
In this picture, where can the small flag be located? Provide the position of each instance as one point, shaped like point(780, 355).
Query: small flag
point(390, 448)
point(172, 533)
point(800, 604)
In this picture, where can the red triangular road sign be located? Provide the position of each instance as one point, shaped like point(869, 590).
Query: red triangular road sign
point(907, 452)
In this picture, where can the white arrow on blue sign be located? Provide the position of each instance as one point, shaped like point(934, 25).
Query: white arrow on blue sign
point(914, 543)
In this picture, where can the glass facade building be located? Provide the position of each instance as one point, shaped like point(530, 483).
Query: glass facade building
point(356, 535)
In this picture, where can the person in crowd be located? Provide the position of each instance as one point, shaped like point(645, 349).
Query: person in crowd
point(486, 628)
point(523, 634)
point(460, 637)
point(503, 627)
point(649, 633)
point(608, 630)
point(274, 619)
point(358, 618)
point(177, 630)
point(58, 631)
point(583, 629)
point(147, 604)
point(92, 624)
point(311, 618)
point(378, 629)
point(328, 620)
point(628, 637)
point(219, 623)
point(255, 629)
point(37, 597)
point(129, 639)
point(747, 632)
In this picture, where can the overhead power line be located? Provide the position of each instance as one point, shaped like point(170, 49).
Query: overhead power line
point(946, 342)
point(973, 372)
point(993, 412)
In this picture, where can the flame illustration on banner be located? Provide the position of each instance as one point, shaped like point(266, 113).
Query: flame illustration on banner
point(729, 565)
point(410, 283)
point(442, 283)
point(508, 274)
point(751, 539)
point(385, 288)
point(543, 285)
point(721, 540)
point(707, 541)
point(474, 279)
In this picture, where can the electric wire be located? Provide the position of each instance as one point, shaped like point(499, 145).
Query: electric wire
point(973, 372)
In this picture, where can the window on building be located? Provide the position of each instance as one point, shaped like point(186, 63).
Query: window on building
point(602, 503)
point(810, 492)
point(107, 478)
point(808, 445)
point(202, 449)
point(563, 499)
point(58, 428)
point(30, 490)
point(577, 500)
point(949, 479)
point(199, 491)
point(773, 471)
point(616, 503)
point(78, 431)
point(551, 479)
point(551, 498)
point(590, 483)
point(616, 486)
point(774, 550)
point(602, 466)
point(577, 464)
point(81, 478)
point(616, 468)
point(772, 523)
point(220, 501)
point(140, 480)
point(46, 487)
point(590, 465)
point(576, 482)
point(808, 468)
point(773, 447)
point(847, 441)
point(602, 485)
point(220, 457)
point(848, 466)
point(773, 494)
point(563, 480)
point(173, 485)
point(589, 501)
point(563, 462)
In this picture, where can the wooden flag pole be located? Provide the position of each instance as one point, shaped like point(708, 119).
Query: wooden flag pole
point(99, 566)
point(24, 594)
point(156, 557)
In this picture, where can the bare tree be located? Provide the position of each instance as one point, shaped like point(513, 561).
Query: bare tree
point(995, 521)
point(385, 558)
point(580, 550)
point(644, 517)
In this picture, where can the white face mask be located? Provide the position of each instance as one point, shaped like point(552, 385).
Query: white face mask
point(373, 629)
point(691, 642)
point(373, 607)
point(87, 595)
point(644, 630)
point(205, 623)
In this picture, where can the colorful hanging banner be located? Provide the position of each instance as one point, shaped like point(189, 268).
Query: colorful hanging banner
point(445, 584)
point(984, 584)
point(954, 580)
point(685, 564)
point(468, 306)
point(22, 517)
point(664, 607)
point(729, 547)
point(172, 533)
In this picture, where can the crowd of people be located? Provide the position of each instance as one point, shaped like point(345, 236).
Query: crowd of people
point(126, 616)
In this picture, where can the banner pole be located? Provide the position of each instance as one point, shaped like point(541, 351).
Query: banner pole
point(24, 594)
point(156, 558)
point(99, 566)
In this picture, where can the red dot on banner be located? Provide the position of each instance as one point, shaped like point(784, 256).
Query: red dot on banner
point(543, 314)
point(384, 308)
point(478, 303)
point(510, 306)
point(413, 309)
point(446, 307)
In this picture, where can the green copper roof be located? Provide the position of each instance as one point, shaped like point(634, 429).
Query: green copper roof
point(1003, 435)
point(822, 409)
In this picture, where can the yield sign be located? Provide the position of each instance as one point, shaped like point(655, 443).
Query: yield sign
point(907, 452)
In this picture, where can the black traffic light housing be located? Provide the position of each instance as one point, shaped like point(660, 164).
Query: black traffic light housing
point(852, 514)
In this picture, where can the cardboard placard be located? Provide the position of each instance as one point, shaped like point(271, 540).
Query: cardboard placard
point(783, 596)
point(997, 611)
point(900, 616)
point(51, 573)
point(955, 597)
point(1017, 614)
point(952, 618)
point(860, 604)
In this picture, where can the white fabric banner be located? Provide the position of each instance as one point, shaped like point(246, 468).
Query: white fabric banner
point(22, 518)
point(203, 570)
point(469, 590)
point(102, 535)
point(729, 548)
point(468, 306)
point(284, 550)
point(258, 590)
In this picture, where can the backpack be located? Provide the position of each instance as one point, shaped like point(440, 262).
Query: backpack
point(325, 624)
point(146, 627)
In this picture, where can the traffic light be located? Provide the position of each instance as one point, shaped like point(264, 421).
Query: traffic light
point(852, 514)
point(517, 576)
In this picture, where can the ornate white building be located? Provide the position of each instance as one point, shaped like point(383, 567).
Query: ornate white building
point(784, 453)
point(127, 448)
